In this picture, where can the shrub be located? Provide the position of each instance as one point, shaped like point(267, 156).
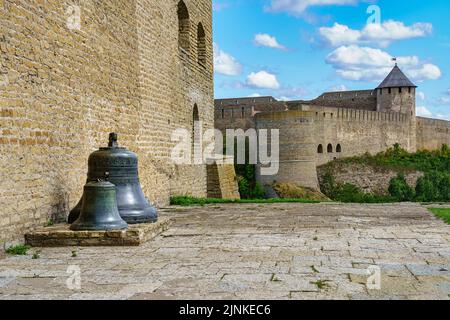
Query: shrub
point(328, 185)
point(258, 192)
point(400, 190)
point(349, 193)
point(399, 159)
point(248, 187)
point(434, 186)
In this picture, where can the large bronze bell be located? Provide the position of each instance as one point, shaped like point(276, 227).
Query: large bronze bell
point(121, 168)
point(99, 209)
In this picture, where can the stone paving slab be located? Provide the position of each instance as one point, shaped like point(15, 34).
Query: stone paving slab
point(253, 251)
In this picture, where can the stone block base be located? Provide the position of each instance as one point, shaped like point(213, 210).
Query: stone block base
point(61, 236)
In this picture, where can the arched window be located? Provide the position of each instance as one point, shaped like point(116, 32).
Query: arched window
point(195, 115)
point(183, 26)
point(330, 148)
point(338, 148)
point(320, 149)
point(201, 44)
point(196, 132)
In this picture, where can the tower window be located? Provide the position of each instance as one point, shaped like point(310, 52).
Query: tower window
point(338, 148)
point(330, 148)
point(183, 26)
point(320, 149)
point(223, 113)
point(201, 44)
point(243, 112)
point(390, 91)
point(399, 90)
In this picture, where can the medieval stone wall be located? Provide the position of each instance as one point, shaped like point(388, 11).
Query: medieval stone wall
point(432, 133)
point(240, 113)
point(346, 133)
point(222, 182)
point(312, 138)
point(62, 90)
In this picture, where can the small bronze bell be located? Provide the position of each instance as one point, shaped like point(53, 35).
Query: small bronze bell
point(99, 209)
point(121, 166)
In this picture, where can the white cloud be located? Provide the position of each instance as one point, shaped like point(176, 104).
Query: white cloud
point(298, 7)
point(225, 63)
point(448, 91)
point(421, 95)
point(290, 93)
point(380, 33)
point(339, 35)
point(423, 112)
point(368, 64)
point(265, 40)
point(443, 117)
point(444, 100)
point(425, 72)
point(263, 80)
point(254, 95)
point(219, 6)
point(339, 88)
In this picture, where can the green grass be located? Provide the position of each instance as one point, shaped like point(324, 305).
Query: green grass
point(192, 201)
point(443, 214)
point(19, 250)
point(50, 223)
point(321, 284)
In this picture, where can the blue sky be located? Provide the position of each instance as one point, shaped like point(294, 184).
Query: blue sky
point(297, 49)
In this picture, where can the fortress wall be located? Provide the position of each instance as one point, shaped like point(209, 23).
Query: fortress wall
point(62, 91)
point(242, 115)
point(432, 133)
point(359, 131)
point(237, 117)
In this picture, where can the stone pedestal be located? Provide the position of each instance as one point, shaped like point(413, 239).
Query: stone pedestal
point(61, 236)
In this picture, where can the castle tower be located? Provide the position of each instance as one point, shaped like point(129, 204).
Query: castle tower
point(397, 94)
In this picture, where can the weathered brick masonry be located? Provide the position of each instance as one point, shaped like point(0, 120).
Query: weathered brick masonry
point(62, 90)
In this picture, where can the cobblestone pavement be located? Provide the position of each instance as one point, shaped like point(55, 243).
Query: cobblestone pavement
point(281, 251)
